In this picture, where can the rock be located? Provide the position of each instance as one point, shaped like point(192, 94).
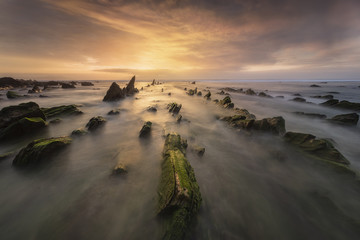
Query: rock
point(35, 89)
point(198, 150)
point(199, 93)
point(185, 89)
point(193, 82)
point(324, 97)
point(151, 109)
point(279, 96)
point(79, 132)
point(114, 93)
point(311, 115)
point(191, 92)
point(86, 84)
point(8, 82)
point(346, 119)
point(228, 89)
point(95, 122)
point(179, 193)
point(245, 113)
point(223, 93)
point(11, 114)
point(226, 102)
point(321, 149)
point(12, 95)
point(40, 151)
point(120, 168)
point(169, 93)
point(113, 112)
point(174, 107)
point(145, 130)
point(43, 96)
point(330, 102)
point(56, 121)
point(130, 88)
point(334, 92)
point(153, 82)
point(63, 110)
point(67, 85)
point(297, 94)
point(22, 127)
point(314, 85)
point(262, 94)
point(298, 99)
point(275, 125)
point(250, 92)
point(208, 96)
point(178, 118)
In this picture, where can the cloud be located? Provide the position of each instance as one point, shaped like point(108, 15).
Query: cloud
point(205, 38)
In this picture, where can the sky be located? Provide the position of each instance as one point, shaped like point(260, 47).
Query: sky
point(180, 39)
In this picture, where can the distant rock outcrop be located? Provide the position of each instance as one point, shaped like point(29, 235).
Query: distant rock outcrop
point(345, 119)
point(67, 85)
point(130, 88)
point(116, 93)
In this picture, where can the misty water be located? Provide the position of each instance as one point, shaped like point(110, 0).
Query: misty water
point(253, 186)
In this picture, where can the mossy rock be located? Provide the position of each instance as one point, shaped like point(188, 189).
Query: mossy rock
point(6, 155)
point(226, 100)
point(345, 119)
point(95, 122)
point(40, 150)
point(145, 130)
point(245, 113)
point(11, 114)
point(348, 105)
point(208, 96)
point(63, 110)
point(79, 132)
point(321, 149)
point(174, 107)
point(22, 127)
point(12, 95)
point(179, 193)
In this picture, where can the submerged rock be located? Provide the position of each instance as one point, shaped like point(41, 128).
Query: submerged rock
point(330, 102)
point(342, 104)
point(298, 99)
point(250, 92)
point(95, 122)
point(174, 107)
point(311, 115)
point(12, 95)
point(63, 110)
point(178, 118)
point(120, 168)
point(314, 85)
point(40, 150)
point(324, 97)
point(79, 132)
point(67, 85)
point(6, 155)
point(146, 129)
point(321, 149)
point(87, 84)
point(114, 93)
point(199, 93)
point(245, 113)
point(262, 94)
point(345, 119)
point(56, 121)
point(198, 150)
point(208, 96)
point(151, 109)
point(113, 112)
point(22, 127)
point(35, 89)
point(11, 114)
point(179, 193)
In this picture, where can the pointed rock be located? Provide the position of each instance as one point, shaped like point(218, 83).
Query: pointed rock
point(114, 93)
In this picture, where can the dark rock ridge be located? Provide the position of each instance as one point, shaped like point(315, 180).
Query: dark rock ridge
point(179, 193)
point(345, 119)
point(314, 85)
point(311, 115)
point(342, 104)
point(250, 92)
point(275, 125)
point(11, 114)
point(228, 89)
point(226, 103)
point(61, 111)
point(145, 130)
point(86, 84)
point(95, 122)
point(67, 85)
point(321, 149)
point(22, 127)
point(174, 107)
point(262, 94)
point(115, 93)
point(324, 97)
point(40, 151)
point(113, 112)
point(298, 99)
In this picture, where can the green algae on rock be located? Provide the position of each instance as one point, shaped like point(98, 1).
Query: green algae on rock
point(12, 95)
point(11, 114)
point(226, 102)
point(345, 119)
point(319, 148)
point(79, 132)
point(22, 127)
point(40, 150)
point(95, 122)
point(179, 193)
point(145, 130)
point(275, 125)
point(61, 111)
